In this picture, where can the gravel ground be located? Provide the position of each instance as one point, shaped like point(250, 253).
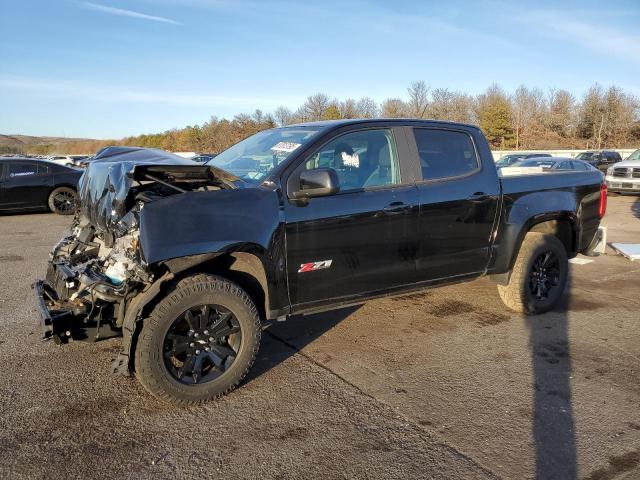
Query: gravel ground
point(445, 384)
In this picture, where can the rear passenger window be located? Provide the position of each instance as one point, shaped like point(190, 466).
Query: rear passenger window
point(445, 153)
point(21, 169)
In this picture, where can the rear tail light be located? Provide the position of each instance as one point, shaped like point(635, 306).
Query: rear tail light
point(602, 208)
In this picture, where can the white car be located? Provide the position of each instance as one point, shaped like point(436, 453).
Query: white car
point(625, 176)
point(66, 160)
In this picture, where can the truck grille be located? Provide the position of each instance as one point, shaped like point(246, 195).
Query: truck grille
point(620, 172)
point(635, 172)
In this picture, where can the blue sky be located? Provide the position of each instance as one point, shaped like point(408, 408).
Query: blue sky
point(106, 68)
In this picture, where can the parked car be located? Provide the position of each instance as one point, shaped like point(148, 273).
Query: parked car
point(556, 163)
point(203, 157)
point(601, 159)
point(185, 261)
point(512, 158)
point(31, 184)
point(634, 156)
point(66, 160)
point(624, 177)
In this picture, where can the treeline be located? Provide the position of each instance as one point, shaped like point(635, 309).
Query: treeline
point(528, 118)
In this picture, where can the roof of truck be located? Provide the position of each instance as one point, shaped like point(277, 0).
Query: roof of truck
point(354, 121)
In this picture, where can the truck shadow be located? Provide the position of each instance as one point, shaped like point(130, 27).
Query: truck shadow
point(281, 340)
point(553, 423)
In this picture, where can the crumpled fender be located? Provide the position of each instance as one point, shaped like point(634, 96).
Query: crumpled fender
point(217, 221)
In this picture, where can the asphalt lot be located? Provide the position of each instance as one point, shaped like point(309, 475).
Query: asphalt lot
point(446, 384)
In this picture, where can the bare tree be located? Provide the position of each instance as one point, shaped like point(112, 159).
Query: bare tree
point(316, 106)
point(418, 99)
point(283, 116)
point(394, 108)
point(451, 106)
point(366, 107)
point(348, 108)
point(560, 113)
point(528, 108)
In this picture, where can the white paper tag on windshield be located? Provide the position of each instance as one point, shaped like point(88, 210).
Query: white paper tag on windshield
point(285, 147)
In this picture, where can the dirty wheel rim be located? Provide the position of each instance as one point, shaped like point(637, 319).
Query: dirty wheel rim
point(64, 201)
point(202, 344)
point(545, 275)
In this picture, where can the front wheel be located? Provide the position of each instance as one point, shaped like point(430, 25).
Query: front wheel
point(62, 200)
point(539, 275)
point(199, 341)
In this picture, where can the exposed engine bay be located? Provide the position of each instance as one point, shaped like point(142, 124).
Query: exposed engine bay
point(98, 267)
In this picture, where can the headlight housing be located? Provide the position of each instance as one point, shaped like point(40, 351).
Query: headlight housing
point(610, 171)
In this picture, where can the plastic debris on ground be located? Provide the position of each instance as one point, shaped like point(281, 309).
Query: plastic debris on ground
point(629, 250)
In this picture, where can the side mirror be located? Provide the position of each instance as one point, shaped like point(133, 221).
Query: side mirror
point(317, 183)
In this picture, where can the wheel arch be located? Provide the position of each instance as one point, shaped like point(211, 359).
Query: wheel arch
point(243, 268)
point(562, 224)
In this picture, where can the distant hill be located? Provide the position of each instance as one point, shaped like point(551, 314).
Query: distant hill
point(26, 140)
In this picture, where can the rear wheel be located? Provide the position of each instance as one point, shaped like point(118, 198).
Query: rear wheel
point(199, 341)
point(539, 275)
point(62, 200)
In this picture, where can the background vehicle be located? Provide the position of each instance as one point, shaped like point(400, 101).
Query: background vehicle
point(600, 159)
point(634, 156)
point(510, 159)
point(184, 261)
point(66, 160)
point(203, 157)
point(30, 184)
point(555, 163)
point(624, 177)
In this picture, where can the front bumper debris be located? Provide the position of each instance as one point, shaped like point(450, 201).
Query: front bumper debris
point(55, 324)
point(61, 317)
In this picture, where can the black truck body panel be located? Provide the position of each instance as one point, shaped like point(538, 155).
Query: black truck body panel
point(323, 252)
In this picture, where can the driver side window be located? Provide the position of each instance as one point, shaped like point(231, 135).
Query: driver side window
point(363, 159)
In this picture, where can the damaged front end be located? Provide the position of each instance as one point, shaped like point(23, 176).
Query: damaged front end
point(98, 267)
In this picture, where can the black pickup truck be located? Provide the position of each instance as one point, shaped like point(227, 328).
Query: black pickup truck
point(186, 262)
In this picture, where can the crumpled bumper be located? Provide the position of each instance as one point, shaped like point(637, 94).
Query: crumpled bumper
point(56, 324)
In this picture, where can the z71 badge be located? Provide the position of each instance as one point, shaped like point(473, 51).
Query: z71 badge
point(312, 266)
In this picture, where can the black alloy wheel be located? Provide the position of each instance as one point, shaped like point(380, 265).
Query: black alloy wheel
point(63, 201)
point(544, 275)
point(202, 344)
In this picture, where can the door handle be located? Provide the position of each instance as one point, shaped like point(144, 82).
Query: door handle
point(395, 208)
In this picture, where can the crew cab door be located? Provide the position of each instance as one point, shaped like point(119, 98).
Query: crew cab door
point(24, 185)
point(362, 239)
point(458, 198)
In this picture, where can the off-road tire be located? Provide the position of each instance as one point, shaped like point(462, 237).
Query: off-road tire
point(67, 192)
point(517, 294)
point(195, 290)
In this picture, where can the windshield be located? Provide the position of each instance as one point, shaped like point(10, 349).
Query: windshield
point(585, 156)
point(507, 160)
point(634, 156)
point(254, 158)
point(535, 163)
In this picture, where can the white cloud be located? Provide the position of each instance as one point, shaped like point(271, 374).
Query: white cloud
point(599, 38)
point(128, 13)
point(114, 94)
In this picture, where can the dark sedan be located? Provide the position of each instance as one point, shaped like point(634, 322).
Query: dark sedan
point(509, 160)
point(555, 163)
point(600, 159)
point(30, 184)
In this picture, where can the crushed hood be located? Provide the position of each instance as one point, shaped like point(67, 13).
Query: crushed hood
point(105, 185)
